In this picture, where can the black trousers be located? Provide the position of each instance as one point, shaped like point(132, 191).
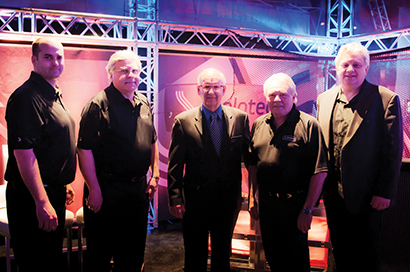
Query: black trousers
point(286, 247)
point(214, 215)
point(35, 249)
point(355, 237)
point(119, 229)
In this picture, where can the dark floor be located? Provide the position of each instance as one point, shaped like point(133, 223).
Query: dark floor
point(164, 252)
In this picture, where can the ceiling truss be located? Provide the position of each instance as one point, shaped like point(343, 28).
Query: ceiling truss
point(149, 36)
point(87, 28)
point(379, 15)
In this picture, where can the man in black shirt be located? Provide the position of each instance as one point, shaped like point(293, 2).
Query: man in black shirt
point(41, 163)
point(116, 147)
point(288, 167)
point(362, 127)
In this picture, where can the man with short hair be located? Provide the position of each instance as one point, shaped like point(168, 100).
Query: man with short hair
point(116, 147)
point(204, 173)
point(362, 127)
point(287, 169)
point(42, 161)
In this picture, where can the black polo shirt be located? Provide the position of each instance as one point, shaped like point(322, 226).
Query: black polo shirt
point(287, 157)
point(37, 119)
point(119, 134)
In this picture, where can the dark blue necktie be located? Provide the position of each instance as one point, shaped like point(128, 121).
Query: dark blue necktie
point(215, 132)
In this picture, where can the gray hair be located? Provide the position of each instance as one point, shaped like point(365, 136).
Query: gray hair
point(279, 77)
point(211, 71)
point(354, 48)
point(121, 55)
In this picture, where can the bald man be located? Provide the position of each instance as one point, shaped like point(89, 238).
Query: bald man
point(42, 161)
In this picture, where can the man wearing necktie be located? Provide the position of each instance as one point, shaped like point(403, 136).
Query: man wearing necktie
point(207, 148)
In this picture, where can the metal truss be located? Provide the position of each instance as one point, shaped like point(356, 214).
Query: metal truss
point(131, 32)
point(379, 15)
point(340, 18)
point(25, 23)
point(142, 9)
point(220, 40)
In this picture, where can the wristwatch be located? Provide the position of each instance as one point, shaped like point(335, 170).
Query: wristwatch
point(306, 210)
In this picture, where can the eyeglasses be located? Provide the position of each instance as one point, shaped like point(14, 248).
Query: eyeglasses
point(127, 71)
point(216, 88)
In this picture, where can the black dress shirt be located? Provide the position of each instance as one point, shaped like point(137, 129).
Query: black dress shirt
point(119, 134)
point(342, 117)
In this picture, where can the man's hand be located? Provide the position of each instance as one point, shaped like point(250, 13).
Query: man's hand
point(152, 188)
point(47, 217)
point(95, 200)
point(304, 222)
point(379, 203)
point(177, 211)
point(87, 167)
point(70, 195)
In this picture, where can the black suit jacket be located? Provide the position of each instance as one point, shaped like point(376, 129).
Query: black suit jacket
point(373, 147)
point(194, 165)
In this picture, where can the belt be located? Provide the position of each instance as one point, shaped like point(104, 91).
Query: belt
point(112, 178)
point(286, 195)
point(18, 185)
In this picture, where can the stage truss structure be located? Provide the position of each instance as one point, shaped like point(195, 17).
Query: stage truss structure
point(151, 34)
point(148, 36)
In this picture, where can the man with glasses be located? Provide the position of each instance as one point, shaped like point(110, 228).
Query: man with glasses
point(116, 147)
point(204, 173)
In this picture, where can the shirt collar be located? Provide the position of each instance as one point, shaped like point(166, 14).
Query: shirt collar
point(46, 89)
point(117, 95)
point(208, 112)
point(339, 95)
point(341, 98)
point(293, 116)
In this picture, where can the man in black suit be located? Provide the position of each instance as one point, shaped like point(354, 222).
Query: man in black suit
point(204, 173)
point(362, 127)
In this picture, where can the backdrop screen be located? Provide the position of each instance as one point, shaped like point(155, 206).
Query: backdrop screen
point(245, 78)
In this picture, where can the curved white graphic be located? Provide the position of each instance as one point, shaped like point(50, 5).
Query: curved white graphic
point(183, 100)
